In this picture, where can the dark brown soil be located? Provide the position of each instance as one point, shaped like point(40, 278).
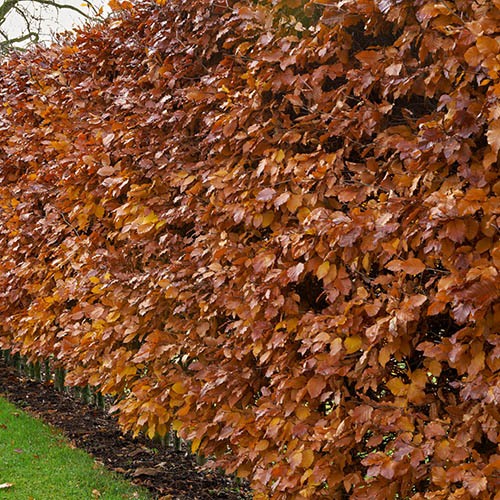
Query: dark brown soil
point(164, 471)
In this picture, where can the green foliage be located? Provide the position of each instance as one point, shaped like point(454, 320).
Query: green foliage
point(38, 463)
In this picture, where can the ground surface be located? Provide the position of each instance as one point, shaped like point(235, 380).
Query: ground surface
point(167, 473)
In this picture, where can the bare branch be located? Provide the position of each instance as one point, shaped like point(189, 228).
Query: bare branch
point(6, 7)
point(59, 6)
point(31, 20)
point(31, 35)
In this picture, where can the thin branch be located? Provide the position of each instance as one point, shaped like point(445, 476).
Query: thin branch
point(60, 6)
point(31, 35)
point(33, 22)
point(5, 8)
point(24, 15)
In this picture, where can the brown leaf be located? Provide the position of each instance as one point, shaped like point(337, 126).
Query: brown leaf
point(475, 484)
point(369, 57)
point(315, 386)
point(493, 136)
point(281, 199)
point(266, 194)
point(262, 261)
point(487, 45)
point(107, 139)
point(146, 471)
point(397, 386)
point(106, 171)
point(294, 272)
point(455, 230)
point(410, 266)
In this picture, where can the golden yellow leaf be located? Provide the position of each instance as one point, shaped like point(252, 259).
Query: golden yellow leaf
point(257, 348)
point(303, 213)
point(397, 387)
point(151, 430)
point(366, 262)
point(267, 219)
point(257, 220)
point(307, 458)
point(332, 274)
point(302, 412)
point(294, 202)
point(322, 270)
point(179, 388)
point(188, 180)
point(112, 316)
point(176, 425)
point(99, 211)
point(291, 324)
point(279, 156)
point(128, 370)
point(151, 218)
point(352, 344)
point(195, 444)
point(97, 290)
point(161, 430)
point(307, 474)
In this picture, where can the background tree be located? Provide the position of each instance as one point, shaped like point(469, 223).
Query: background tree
point(30, 21)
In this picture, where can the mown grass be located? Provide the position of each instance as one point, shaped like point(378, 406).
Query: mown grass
point(40, 464)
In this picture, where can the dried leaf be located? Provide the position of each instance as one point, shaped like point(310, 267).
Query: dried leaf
point(146, 471)
point(397, 386)
point(410, 266)
point(295, 272)
point(352, 344)
point(262, 445)
point(179, 388)
point(315, 386)
point(493, 135)
point(266, 194)
point(322, 270)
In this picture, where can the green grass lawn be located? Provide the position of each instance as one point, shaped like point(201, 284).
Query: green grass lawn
point(37, 463)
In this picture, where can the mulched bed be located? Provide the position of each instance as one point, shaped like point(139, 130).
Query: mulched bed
point(167, 473)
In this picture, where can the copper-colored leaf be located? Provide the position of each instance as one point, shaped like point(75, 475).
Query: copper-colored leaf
point(296, 271)
point(410, 266)
point(493, 135)
point(315, 386)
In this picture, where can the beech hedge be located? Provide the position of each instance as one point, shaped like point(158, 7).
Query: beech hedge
point(273, 227)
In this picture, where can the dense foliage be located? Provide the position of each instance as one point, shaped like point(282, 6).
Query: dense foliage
point(273, 226)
